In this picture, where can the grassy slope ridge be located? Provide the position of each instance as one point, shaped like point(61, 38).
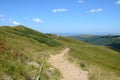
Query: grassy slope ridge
point(20, 45)
point(23, 31)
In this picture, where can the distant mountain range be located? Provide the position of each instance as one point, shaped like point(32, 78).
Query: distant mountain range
point(112, 41)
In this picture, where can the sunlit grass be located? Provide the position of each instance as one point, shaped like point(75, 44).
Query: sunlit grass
point(21, 49)
point(20, 45)
point(97, 73)
point(104, 61)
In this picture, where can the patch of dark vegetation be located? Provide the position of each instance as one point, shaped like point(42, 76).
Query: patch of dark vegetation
point(2, 46)
point(115, 46)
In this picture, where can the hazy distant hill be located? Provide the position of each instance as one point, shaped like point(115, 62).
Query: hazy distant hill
point(23, 51)
point(107, 40)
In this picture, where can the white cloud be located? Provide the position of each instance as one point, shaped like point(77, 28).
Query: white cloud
point(96, 10)
point(99, 9)
point(13, 21)
point(59, 10)
point(118, 2)
point(37, 20)
point(16, 23)
point(81, 1)
point(9, 20)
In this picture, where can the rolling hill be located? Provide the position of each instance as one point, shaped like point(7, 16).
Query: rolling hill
point(112, 41)
point(22, 50)
point(24, 53)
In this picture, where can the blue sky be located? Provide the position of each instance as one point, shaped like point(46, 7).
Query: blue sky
point(66, 16)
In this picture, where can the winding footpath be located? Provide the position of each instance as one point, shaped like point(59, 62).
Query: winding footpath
point(68, 70)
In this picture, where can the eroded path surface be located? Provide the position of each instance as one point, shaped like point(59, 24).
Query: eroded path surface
point(67, 69)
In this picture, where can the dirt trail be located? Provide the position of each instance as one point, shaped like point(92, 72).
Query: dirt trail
point(67, 69)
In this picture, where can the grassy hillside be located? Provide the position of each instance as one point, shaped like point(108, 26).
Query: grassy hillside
point(102, 62)
point(112, 41)
point(23, 51)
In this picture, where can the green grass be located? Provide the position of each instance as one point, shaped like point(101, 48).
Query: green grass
point(20, 45)
point(32, 34)
point(98, 73)
point(85, 55)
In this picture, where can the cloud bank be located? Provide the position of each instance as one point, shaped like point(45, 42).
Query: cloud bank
point(96, 10)
point(14, 22)
point(37, 20)
point(118, 2)
point(59, 10)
